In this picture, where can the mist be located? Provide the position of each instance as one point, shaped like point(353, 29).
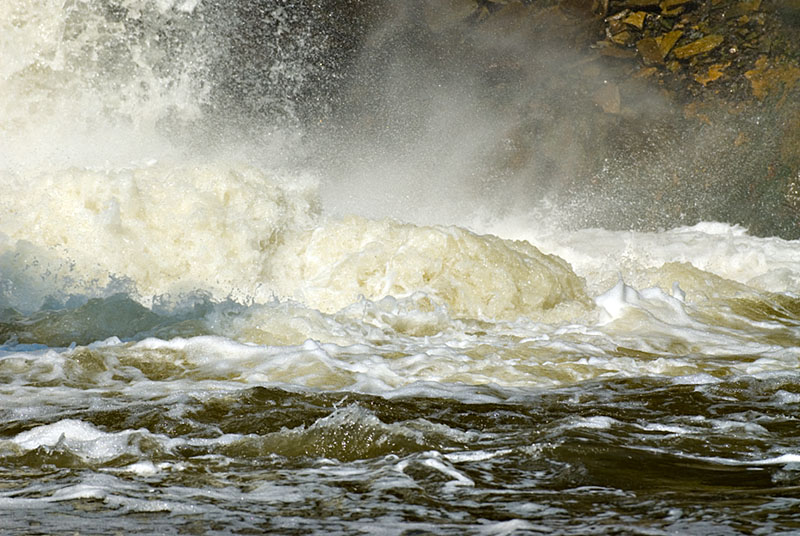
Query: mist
point(446, 119)
point(459, 112)
point(465, 113)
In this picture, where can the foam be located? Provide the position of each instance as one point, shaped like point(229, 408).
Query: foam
point(167, 228)
point(80, 438)
point(601, 256)
point(234, 231)
point(473, 275)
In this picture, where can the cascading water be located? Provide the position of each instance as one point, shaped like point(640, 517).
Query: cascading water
point(208, 327)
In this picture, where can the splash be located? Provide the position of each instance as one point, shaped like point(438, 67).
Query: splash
point(473, 275)
point(169, 229)
point(90, 81)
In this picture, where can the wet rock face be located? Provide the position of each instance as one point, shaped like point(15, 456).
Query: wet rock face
point(627, 113)
point(695, 118)
point(730, 68)
point(709, 42)
point(790, 11)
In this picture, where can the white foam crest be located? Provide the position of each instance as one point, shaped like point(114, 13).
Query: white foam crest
point(81, 491)
point(434, 460)
point(145, 468)
point(666, 428)
point(348, 433)
point(735, 428)
point(92, 444)
point(778, 460)
point(475, 455)
point(114, 492)
point(8, 503)
point(38, 365)
point(292, 323)
point(601, 256)
point(651, 320)
point(786, 397)
point(433, 367)
point(789, 458)
point(696, 379)
point(167, 228)
point(80, 438)
point(474, 276)
point(512, 526)
point(666, 308)
point(270, 492)
point(459, 479)
point(597, 422)
point(450, 364)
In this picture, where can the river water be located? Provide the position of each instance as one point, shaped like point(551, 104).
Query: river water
point(201, 337)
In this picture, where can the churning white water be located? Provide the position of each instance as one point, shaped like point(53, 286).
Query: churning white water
point(192, 341)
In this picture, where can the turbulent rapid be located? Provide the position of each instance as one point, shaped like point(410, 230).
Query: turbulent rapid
point(194, 340)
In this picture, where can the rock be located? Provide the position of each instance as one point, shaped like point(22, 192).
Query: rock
point(700, 46)
point(714, 72)
point(790, 142)
point(639, 4)
point(607, 48)
point(635, 19)
point(743, 8)
point(790, 11)
point(614, 23)
point(671, 8)
point(792, 193)
point(667, 5)
point(645, 73)
point(667, 41)
point(650, 50)
point(622, 38)
point(765, 79)
point(697, 111)
point(758, 77)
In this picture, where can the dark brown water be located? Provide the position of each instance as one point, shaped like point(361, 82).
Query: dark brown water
point(621, 456)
